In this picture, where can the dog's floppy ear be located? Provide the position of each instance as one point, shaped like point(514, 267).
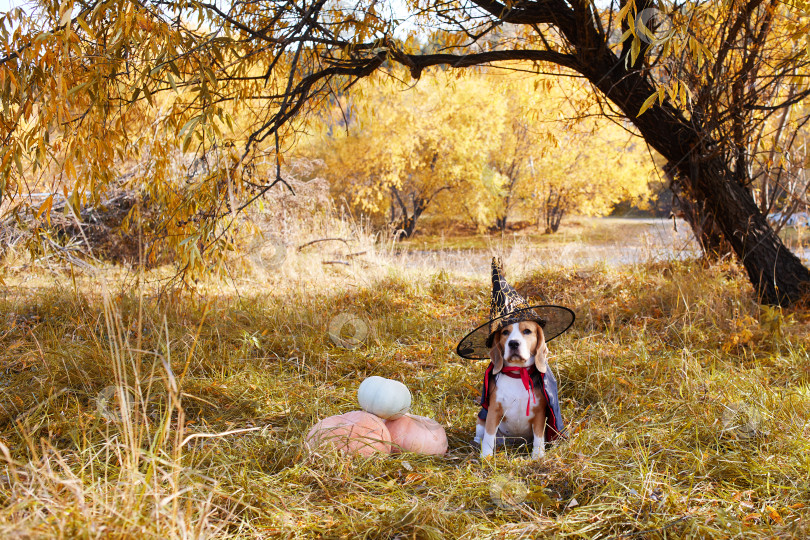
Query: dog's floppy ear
point(540, 350)
point(496, 355)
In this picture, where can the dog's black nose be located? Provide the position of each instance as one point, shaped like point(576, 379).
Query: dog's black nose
point(514, 344)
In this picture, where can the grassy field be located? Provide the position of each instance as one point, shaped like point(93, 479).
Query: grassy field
point(579, 229)
point(130, 413)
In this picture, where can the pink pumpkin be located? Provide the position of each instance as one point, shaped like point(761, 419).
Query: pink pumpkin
point(356, 432)
point(419, 434)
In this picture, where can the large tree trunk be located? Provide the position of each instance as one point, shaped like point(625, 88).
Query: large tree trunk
point(778, 276)
point(704, 226)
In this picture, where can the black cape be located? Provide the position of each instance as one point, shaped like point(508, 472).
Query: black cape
point(555, 427)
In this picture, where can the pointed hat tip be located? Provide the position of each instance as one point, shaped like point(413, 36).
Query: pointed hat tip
point(497, 267)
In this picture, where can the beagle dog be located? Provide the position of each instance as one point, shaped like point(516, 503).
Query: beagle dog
point(514, 400)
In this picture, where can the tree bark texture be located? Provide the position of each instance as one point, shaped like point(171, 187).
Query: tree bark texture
point(703, 224)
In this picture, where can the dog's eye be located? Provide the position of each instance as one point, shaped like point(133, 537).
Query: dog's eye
point(505, 333)
point(527, 331)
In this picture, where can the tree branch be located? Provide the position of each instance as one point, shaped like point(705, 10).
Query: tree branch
point(417, 63)
point(541, 12)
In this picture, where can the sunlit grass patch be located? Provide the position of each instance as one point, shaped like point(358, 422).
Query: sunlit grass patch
point(577, 229)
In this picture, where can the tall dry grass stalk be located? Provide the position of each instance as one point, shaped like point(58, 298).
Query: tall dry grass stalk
point(123, 473)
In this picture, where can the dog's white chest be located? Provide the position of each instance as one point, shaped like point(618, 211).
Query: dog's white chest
point(514, 398)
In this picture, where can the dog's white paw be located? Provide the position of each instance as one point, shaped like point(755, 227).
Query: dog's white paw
point(487, 445)
point(539, 447)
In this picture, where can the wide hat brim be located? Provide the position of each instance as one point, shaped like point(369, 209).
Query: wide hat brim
point(554, 320)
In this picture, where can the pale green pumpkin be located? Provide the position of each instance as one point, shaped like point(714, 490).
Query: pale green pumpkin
point(384, 397)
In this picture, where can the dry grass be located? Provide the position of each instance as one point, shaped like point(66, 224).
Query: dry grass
point(688, 406)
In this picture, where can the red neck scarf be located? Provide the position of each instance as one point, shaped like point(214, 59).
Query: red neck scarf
point(515, 372)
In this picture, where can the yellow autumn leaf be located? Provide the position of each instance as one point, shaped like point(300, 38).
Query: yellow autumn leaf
point(647, 103)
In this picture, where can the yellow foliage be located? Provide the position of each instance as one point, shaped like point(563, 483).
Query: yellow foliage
point(399, 151)
point(477, 149)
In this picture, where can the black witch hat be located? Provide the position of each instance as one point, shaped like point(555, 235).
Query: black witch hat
point(508, 307)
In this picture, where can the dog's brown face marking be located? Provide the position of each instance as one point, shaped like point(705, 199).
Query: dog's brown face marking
point(528, 332)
